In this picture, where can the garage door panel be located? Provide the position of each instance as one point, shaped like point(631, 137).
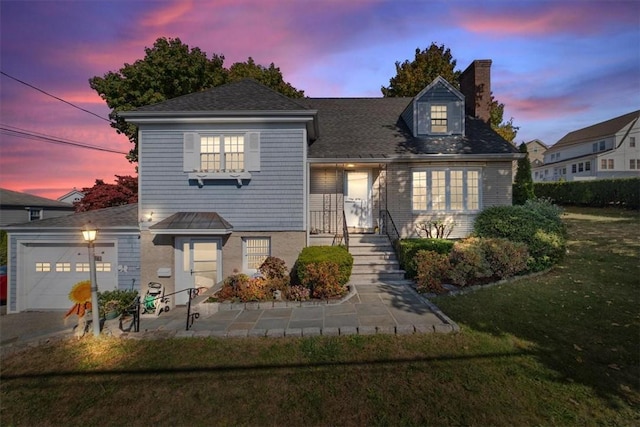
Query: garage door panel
point(51, 270)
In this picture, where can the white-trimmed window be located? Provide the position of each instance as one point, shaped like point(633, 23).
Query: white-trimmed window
point(103, 267)
point(611, 164)
point(603, 163)
point(439, 119)
point(632, 141)
point(441, 190)
point(35, 214)
point(221, 155)
point(254, 251)
point(587, 166)
point(632, 163)
point(43, 267)
point(63, 267)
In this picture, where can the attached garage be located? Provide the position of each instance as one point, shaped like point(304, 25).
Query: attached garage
point(47, 258)
point(50, 270)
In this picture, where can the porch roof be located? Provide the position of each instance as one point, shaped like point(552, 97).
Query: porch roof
point(372, 128)
point(193, 223)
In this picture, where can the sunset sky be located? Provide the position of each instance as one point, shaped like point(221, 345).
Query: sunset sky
point(557, 65)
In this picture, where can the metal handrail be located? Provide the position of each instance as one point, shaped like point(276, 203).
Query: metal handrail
point(345, 230)
point(391, 232)
point(134, 308)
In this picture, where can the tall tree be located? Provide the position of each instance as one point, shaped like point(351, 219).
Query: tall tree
point(270, 77)
point(170, 69)
point(103, 195)
point(413, 76)
point(523, 183)
point(505, 129)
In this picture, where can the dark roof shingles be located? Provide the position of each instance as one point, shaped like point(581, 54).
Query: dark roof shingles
point(193, 221)
point(122, 217)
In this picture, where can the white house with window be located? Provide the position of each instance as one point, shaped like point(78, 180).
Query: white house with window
point(605, 150)
point(231, 175)
point(16, 207)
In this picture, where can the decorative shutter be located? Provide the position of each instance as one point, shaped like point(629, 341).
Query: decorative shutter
point(423, 118)
point(252, 152)
point(191, 152)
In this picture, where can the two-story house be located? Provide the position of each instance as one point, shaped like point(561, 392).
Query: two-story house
point(536, 150)
point(606, 150)
point(230, 175)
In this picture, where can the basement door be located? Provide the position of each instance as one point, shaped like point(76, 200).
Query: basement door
point(197, 265)
point(357, 200)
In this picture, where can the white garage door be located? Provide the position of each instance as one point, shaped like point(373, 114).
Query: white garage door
point(51, 269)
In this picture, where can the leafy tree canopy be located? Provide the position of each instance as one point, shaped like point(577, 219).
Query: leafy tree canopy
point(413, 76)
point(103, 195)
point(170, 69)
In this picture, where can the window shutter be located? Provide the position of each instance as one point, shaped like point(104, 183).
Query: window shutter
point(252, 152)
point(191, 152)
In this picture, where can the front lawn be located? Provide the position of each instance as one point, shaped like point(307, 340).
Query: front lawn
point(560, 348)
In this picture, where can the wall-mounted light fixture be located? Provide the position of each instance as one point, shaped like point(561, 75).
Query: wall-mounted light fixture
point(147, 218)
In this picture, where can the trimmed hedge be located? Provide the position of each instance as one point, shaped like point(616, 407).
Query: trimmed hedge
point(318, 254)
point(598, 193)
point(535, 223)
point(407, 250)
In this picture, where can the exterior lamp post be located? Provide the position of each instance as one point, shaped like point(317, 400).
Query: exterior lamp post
point(89, 234)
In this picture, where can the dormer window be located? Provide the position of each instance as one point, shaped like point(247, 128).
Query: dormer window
point(439, 118)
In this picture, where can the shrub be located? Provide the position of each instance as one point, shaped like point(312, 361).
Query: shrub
point(432, 268)
point(534, 224)
point(243, 288)
point(298, 293)
point(408, 248)
point(322, 279)
point(505, 258)
point(596, 193)
point(275, 273)
point(469, 265)
point(317, 254)
point(118, 300)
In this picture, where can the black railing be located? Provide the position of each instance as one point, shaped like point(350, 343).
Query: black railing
point(135, 307)
point(388, 227)
point(345, 230)
point(324, 222)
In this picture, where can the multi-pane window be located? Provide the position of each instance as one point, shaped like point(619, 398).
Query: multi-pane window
point(222, 153)
point(580, 167)
point(573, 168)
point(602, 145)
point(438, 118)
point(35, 214)
point(82, 267)
point(42, 267)
point(587, 166)
point(632, 141)
point(603, 163)
point(446, 190)
point(594, 147)
point(610, 165)
point(63, 267)
point(103, 267)
point(632, 163)
point(256, 250)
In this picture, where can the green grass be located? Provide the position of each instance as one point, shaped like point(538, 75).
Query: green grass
point(560, 348)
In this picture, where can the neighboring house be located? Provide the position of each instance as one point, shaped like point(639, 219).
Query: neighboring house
point(47, 257)
point(536, 150)
point(606, 150)
point(72, 196)
point(230, 175)
point(18, 207)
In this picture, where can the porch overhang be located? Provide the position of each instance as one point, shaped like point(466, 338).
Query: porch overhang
point(190, 223)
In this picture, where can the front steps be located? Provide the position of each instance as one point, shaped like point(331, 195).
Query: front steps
point(373, 259)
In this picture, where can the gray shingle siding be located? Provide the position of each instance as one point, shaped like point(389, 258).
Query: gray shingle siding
point(273, 199)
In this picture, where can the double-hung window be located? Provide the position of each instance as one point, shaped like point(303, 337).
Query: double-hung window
point(446, 190)
point(439, 119)
point(221, 155)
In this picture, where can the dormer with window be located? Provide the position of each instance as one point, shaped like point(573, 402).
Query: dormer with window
point(438, 110)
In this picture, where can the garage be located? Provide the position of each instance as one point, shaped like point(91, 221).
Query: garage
point(49, 271)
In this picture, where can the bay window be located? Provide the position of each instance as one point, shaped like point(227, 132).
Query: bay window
point(443, 190)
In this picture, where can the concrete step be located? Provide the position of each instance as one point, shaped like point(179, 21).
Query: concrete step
point(357, 250)
point(371, 268)
point(357, 278)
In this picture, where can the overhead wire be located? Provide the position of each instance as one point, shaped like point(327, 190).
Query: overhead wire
point(53, 96)
point(23, 133)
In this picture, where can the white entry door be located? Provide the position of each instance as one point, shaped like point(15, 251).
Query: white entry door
point(198, 265)
point(357, 199)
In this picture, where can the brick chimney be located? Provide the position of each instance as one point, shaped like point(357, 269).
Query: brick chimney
point(475, 85)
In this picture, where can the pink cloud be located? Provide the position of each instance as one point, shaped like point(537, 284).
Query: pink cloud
point(547, 18)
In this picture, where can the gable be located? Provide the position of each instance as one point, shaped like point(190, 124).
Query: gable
point(437, 110)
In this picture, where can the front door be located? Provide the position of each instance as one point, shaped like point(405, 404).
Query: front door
point(196, 265)
point(357, 200)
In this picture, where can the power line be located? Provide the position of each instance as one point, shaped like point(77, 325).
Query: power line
point(53, 96)
point(23, 133)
